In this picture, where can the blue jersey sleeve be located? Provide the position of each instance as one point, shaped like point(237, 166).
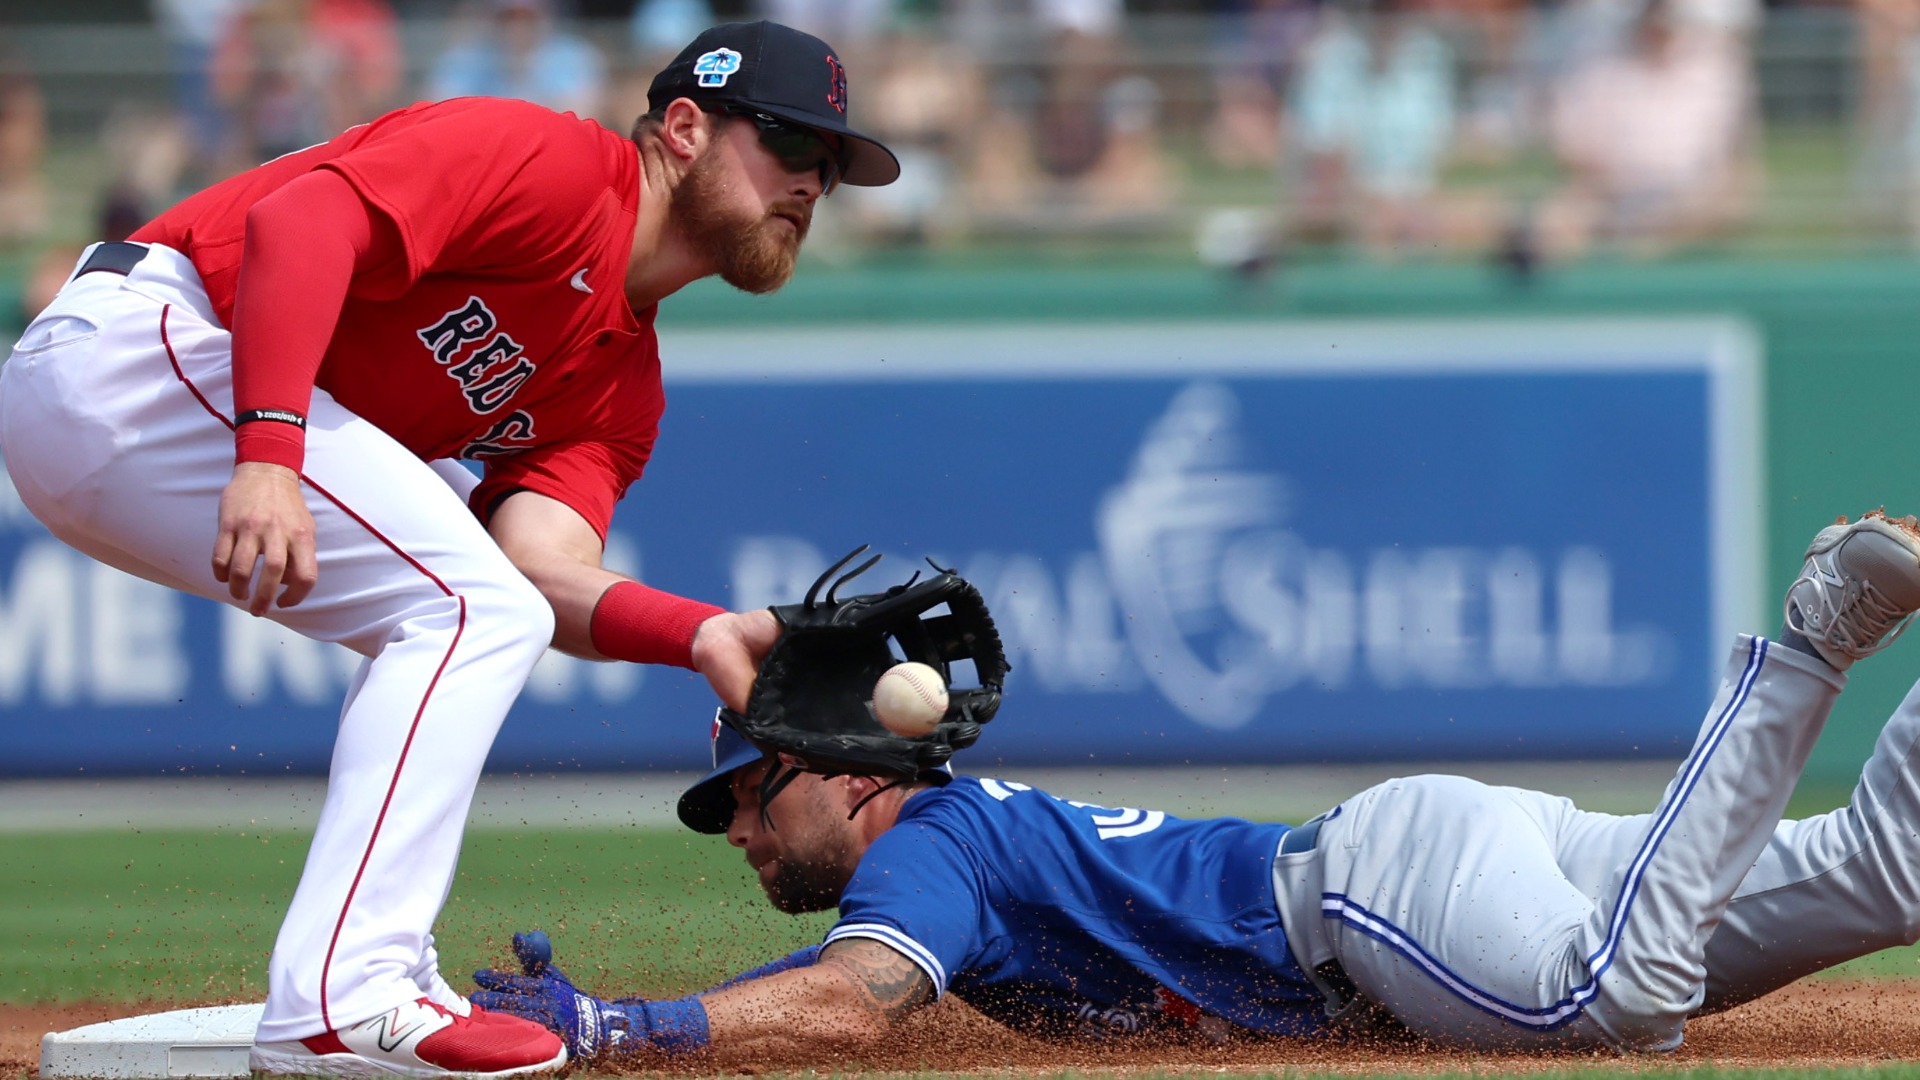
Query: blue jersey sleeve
point(920, 890)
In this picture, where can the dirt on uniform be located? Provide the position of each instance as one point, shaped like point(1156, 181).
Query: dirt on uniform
point(1822, 1023)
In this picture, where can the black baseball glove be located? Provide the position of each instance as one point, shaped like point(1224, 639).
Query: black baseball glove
point(812, 703)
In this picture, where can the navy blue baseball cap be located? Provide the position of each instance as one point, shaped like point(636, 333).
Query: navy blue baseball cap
point(707, 806)
point(777, 70)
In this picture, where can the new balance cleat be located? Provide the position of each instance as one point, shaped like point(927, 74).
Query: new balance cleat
point(1859, 589)
point(419, 1039)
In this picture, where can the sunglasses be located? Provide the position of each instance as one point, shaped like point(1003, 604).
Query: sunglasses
point(798, 149)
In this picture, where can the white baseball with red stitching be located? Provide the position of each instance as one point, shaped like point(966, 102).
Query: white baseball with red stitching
point(910, 699)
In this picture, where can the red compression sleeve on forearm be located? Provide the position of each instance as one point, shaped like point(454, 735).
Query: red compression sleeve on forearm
point(647, 626)
point(303, 245)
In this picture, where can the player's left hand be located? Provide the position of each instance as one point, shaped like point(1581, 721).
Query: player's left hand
point(728, 648)
point(264, 521)
point(544, 995)
point(588, 1025)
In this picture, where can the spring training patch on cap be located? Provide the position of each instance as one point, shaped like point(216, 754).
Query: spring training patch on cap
point(716, 67)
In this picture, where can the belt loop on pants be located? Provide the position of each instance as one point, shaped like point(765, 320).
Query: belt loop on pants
point(1331, 977)
point(1306, 835)
point(114, 257)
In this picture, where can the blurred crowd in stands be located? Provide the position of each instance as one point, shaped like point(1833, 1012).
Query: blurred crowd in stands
point(1535, 130)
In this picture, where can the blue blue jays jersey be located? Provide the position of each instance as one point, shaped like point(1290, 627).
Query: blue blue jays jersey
point(1062, 918)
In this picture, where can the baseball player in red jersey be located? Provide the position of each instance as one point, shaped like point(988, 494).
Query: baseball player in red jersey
point(274, 372)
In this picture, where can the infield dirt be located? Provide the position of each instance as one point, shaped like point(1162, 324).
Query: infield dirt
point(1815, 1024)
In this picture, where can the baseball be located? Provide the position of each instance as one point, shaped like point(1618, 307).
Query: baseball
point(910, 699)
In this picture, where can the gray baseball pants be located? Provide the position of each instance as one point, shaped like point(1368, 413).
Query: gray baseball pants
point(1497, 917)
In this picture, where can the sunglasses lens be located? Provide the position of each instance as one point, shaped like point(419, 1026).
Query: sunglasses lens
point(799, 149)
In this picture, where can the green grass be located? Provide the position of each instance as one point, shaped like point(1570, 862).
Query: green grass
point(176, 916)
point(182, 915)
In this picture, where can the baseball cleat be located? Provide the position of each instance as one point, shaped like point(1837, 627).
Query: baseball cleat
point(418, 1039)
point(1859, 589)
point(488, 1016)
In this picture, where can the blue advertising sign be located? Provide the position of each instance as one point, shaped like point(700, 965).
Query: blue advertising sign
point(1247, 542)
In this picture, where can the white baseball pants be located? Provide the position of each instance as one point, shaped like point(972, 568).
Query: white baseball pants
point(116, 424)
point(1502, 918)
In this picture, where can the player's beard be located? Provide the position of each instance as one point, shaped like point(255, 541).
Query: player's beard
point(800, 886)
point(817, 857)
point(756, 252)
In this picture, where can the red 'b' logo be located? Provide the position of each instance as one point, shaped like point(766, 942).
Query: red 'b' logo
point(836, 84)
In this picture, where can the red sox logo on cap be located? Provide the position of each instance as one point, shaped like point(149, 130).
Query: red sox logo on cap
point(768, 69)
point(836, 84)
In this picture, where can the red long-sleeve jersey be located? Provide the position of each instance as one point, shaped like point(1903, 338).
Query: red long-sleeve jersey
point(499, 328)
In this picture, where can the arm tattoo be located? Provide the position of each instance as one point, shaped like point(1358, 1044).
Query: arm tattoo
point(894, 985)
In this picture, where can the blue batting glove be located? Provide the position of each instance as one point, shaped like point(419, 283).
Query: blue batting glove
point(588, 1025)
point(542, 994)
point(533, 950)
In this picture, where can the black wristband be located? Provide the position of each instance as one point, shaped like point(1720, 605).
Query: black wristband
point(278, 416)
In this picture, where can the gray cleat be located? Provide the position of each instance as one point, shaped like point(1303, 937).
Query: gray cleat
point(1860, 587)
